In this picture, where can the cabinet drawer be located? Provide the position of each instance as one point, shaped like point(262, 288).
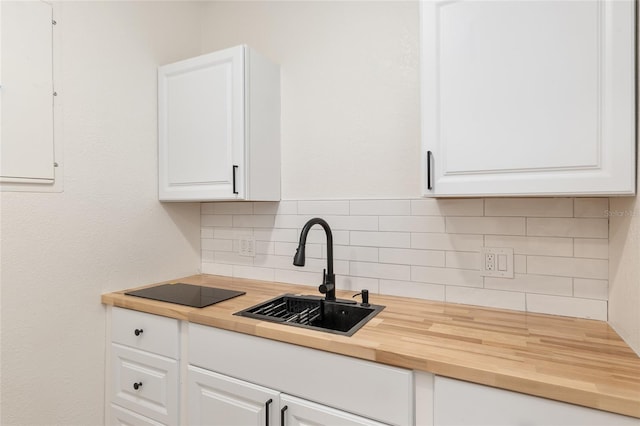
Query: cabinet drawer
point(145, 383)
point(365, 388)
point(147, 332)
point(124, 417)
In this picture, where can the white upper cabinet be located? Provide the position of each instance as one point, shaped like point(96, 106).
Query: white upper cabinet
point(219, 128)
point(528, 97)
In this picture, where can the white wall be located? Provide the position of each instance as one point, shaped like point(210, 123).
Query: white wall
point(350, 91)
point(106, 231)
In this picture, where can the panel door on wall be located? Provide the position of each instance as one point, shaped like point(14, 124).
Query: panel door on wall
point(27, 150)
point(528, 97)
point(215, 399)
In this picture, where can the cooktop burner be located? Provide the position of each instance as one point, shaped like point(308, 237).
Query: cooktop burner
point(186, 294)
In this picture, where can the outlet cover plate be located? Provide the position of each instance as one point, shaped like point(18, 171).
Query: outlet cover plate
point(496, 262)
point(247, 246)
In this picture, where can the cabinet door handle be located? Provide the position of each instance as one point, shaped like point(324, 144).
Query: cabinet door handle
point(266, 410)
point(137, 386)
point(234, 179)
point(283, 415)
point(429, 171)
point(138, 331)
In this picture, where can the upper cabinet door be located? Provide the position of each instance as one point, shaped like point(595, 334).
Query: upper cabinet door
point(219, 128)
point(201, 132)
point(528, 97)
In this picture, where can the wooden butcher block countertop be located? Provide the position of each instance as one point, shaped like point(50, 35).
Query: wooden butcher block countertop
point(573, 360)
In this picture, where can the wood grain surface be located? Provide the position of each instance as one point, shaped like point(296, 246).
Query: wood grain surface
point(567, 359)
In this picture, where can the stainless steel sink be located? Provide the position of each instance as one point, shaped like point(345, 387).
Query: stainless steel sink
point(313, 312)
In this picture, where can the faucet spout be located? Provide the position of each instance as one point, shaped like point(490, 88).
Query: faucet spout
point(328, 285)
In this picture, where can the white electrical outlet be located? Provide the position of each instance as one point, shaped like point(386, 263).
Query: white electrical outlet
point(247, 246)
point(496, 262)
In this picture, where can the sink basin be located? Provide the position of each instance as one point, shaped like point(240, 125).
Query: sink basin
point(314, 313)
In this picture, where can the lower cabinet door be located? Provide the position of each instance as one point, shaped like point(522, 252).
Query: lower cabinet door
point(145, 383)
point(123, 417)
point(218, 400)
point(300, 412)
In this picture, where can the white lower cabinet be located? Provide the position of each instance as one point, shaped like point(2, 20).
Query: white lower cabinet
point(318, 388)
point(123, 417)
point(143, 387)
point(215, 399)
point(299, 412)
point(460, 403)
point(219, 400)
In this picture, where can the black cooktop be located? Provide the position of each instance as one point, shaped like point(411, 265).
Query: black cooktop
point(186, 294)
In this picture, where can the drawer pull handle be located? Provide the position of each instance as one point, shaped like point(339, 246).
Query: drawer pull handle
point(283, 415)
point(137, 386)
point(266, 409)
point(138, 331)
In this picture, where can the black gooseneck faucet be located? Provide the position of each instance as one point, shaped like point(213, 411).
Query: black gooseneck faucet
point(328, 285)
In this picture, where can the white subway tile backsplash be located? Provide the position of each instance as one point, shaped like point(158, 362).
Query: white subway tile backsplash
point(265, 247)
point(357, 284)
point(253, 221)
point(447, 276)
point(381, 239)
point(271, 207)
point(362, 254)
point(217, 245)
point(283, 235)
point(590, 247)
point(412, 223)
point(322, 207)
point(412, 257)
point(291, 221)
point(297, 277)
point(484, 297)
point(591, 289)
point(232, 258)
point(318, 236)
point(531, 207)
point(463, 260)
point(438, 207)
point(584, 228)
point(425, 248)
point(590, 207)
point(412, 289)
point(456, 242)
point(380, 270)
point(216, 220)
point(567, 306)
point(381, 207)
point(206, 256)
point(253, 272)
point(568, 267)
point(486, 225)
point(547, 246)
point(217, 269)
point(352, 223)
point(289, 249)
point(232, 207)
point(231, 233)
point(527, 283)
